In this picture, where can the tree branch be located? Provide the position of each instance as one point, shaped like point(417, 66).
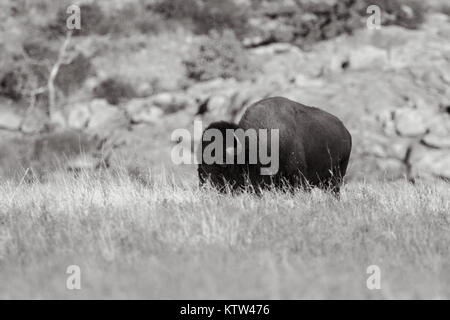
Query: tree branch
point(54, 72)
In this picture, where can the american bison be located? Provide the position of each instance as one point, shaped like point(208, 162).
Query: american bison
point(307, 147)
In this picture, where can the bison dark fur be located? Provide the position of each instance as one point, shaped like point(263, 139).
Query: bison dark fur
point(314, 149)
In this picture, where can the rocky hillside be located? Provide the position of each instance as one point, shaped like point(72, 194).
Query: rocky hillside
point(120, 94)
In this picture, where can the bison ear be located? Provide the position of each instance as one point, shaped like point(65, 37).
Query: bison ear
point(230, 151)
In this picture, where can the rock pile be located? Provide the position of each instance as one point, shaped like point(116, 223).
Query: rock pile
point(419, 137)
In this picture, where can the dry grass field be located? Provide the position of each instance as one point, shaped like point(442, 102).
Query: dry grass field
point(160, 237)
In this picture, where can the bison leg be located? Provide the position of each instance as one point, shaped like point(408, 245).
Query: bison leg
point(337, 177)
point(202, 178)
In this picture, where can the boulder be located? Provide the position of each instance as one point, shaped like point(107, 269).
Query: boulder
point(436, 141)
point(58, 120)
point(163, 100)
point(377, 151)
point(218, 103)
point(34, 122)
point(431, 162)
point(207, 88)
point(143, 111)
point(9, 120)
point(304, 81)
point(275, 48)
point(105, 118)
point(368, 57)
point(397, 148)
point(78, 116)
point(339, 61)
point(386, 122)
point(144, 89)
point(410, 122)
point(439, 124)
point(253, 41)
point(149, 115)
point(171, 102)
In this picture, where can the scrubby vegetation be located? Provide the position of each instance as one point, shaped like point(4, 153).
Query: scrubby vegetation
point(409, 14)
point(205, 16)
point(114, 90)
point(94, 21)
point(127, 20)
point(307, 22)
point(226, 24)
point(220, 55)
point(445, 9)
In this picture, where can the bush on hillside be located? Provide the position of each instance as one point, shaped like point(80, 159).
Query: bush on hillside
point(220, 55)
point(445, 9)
point(13, 83)
point(134, 18)
point(306, 22)
point(321, 21)
point(93, 21)
point(72, 76)
point(409, 14)
point(114, 91)
point(205, 15)
point(129, 19)
point(21, 76)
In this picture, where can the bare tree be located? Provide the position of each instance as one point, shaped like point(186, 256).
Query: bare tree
point(50, 88)
point(62, 58)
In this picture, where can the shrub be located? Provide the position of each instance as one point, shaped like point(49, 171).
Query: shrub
point(114, 91)
point(205, 15)
point(148, 22)
point(219, 55)
point(129, 19)
point(38, 50)
point(322, 21)
point(71, 76)
point(445, 9)
point(220, 15)
point(21, 76)
point(307, 22)
point(311, 21)
point(13, 83)
point(93, 21)
point(18, 78)
point(176, 9)
point(405, 13)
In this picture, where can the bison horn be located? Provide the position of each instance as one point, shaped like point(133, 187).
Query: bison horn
point(230, 151)
point(239, 146)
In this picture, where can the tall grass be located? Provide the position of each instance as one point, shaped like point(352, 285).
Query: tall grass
point(167, 239)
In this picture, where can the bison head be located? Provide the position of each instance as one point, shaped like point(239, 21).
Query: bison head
point(219, 153)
